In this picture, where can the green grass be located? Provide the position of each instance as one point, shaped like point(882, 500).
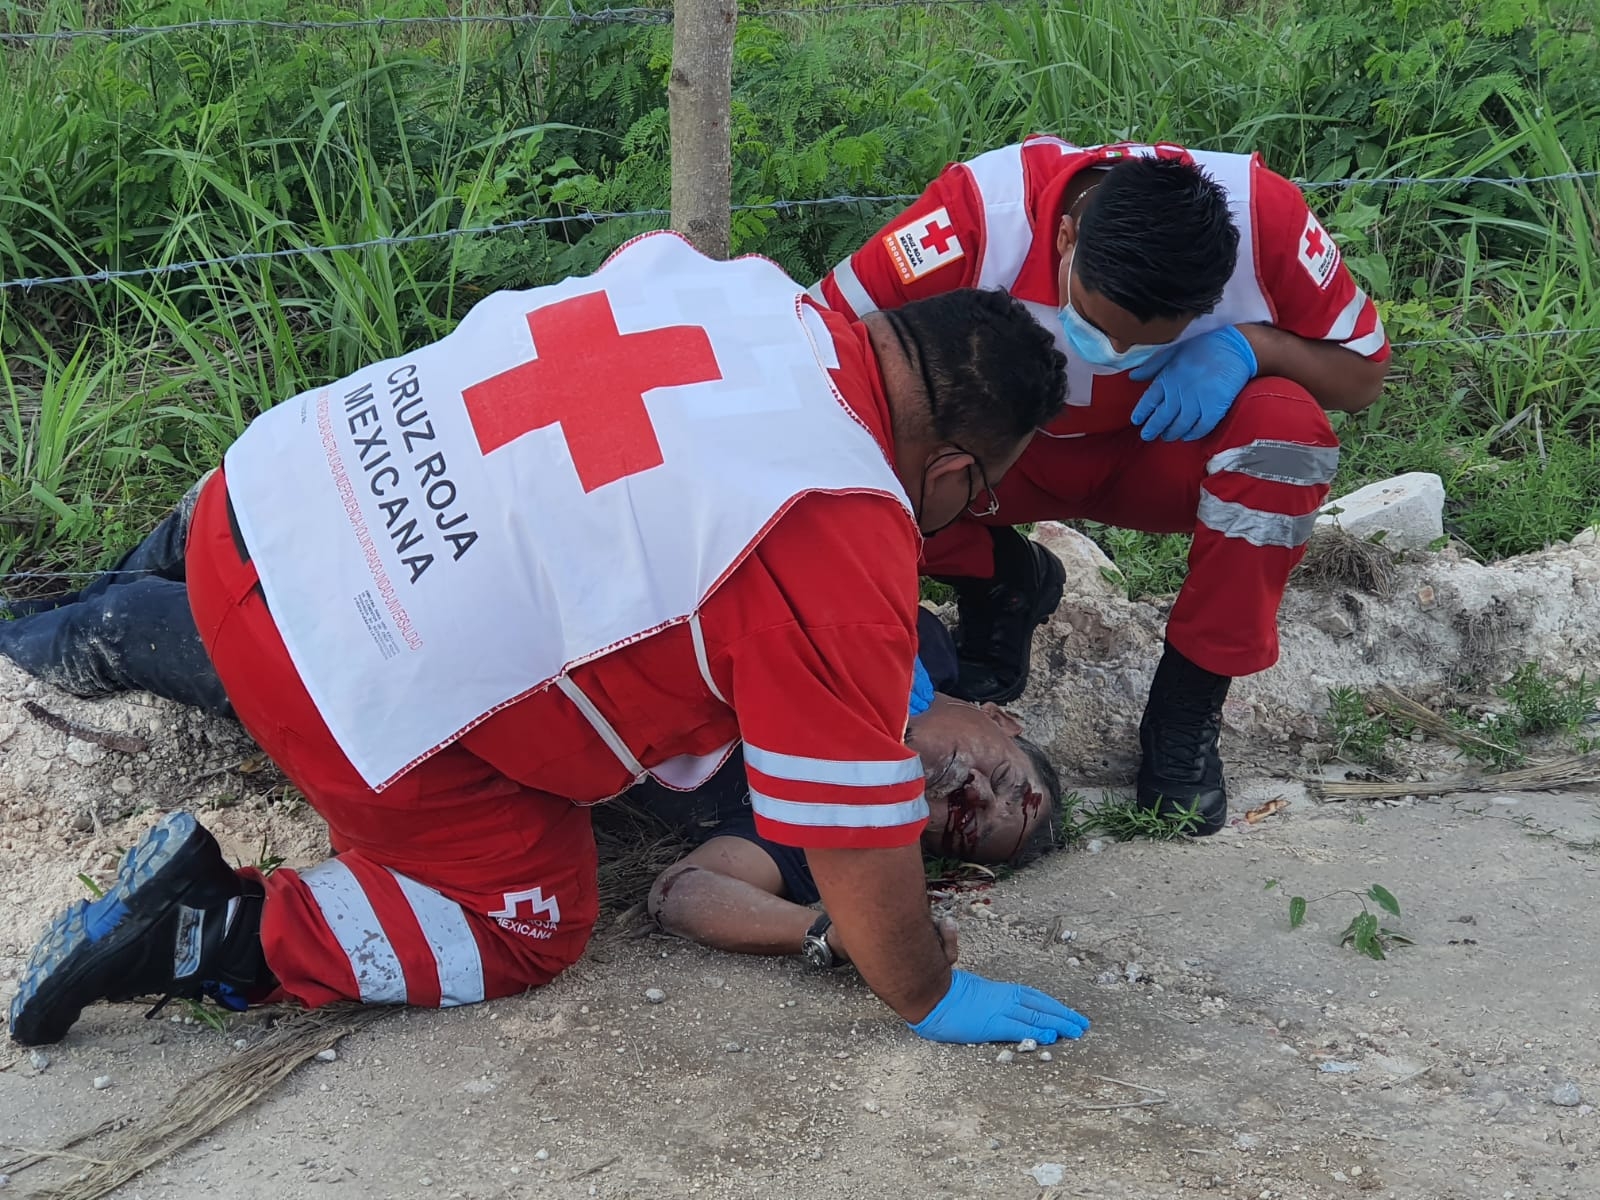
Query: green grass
point(209, 143)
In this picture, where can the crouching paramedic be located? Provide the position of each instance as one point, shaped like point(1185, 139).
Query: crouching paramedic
point(605, 529)
point(1208, 321)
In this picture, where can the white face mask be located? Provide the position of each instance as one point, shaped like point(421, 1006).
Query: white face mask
point(1092, 345)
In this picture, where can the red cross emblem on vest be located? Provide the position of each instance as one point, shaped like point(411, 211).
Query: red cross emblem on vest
point(591, 380)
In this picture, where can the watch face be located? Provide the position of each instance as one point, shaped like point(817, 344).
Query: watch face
point(817, 953)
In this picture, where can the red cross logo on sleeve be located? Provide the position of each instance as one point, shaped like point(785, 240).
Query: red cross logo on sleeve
point(938, 237)
point(590, 379)
point(1314, 243)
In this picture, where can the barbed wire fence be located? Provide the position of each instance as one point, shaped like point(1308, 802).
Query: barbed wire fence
point(645, 16)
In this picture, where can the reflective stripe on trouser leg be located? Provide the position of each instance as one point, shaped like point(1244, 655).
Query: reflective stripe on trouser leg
point(1253, 525)
point(1256, 510)
point(355, 926)
point(437, 930)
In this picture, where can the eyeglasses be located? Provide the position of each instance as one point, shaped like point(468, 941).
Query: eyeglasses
point(984, 502)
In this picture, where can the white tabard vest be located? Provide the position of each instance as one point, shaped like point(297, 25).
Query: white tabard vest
point(573, 468)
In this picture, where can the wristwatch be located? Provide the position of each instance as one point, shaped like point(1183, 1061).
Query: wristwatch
point(814, 946)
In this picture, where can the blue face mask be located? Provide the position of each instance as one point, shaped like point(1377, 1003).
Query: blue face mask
point(1093, 346)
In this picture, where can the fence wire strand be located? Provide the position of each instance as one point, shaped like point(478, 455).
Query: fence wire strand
point(106, 275)
point(633, 15)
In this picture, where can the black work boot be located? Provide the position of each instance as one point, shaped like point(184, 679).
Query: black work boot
point(1181, 769)
point(998, 616)
point(177, 923)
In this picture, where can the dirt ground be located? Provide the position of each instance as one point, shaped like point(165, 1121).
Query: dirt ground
point(1229, 1054)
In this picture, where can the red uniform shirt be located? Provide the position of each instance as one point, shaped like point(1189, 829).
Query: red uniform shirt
point(809, 644)
point(992, 222)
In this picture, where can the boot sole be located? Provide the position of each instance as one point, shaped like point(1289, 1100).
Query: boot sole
point(1045, 603)
point(156, 873)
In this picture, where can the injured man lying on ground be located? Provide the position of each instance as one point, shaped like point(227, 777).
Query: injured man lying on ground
point(992, 795)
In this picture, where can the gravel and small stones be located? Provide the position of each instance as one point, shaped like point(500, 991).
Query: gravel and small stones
point(1048, 1174)
point(1566, 1095)
point(38, 1060)
point(1046, 1056)
point(240, 1044)
point(541, 1156)
point(1134, 972)
point(1108, 979)
point(871, 1106)
point(1005, 1056)
point(328, 1055)
point(102, 1082)
point(1027, 1046)
point(732, 1048)
point(654, 996)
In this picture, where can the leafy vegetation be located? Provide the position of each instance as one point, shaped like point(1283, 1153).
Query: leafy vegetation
point(154, 150)
point(1365, 934)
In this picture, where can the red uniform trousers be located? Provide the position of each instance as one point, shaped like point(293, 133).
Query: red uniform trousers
point(456, 884)
point(1248, 491)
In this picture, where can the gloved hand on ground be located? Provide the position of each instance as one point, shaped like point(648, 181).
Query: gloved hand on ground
point(976, 1009)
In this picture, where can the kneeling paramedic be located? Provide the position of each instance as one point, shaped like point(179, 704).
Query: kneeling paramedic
point(605, 530)
point(1209, 323)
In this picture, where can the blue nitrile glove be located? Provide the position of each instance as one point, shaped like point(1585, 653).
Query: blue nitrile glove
point(976, 1009)
point(921, 689)
point(1194, 386)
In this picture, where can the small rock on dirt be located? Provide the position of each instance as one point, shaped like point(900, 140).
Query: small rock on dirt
point(1046, 1056)
point(1027, 1046)
point(1338, 1068)
point(1134, 972)
point(1407, 509)
point(1566, 1095)
point(1004, 1056)
point(541, 1156)
point(1048, 1174)
point(38, 1060)
point(732, 1048)
point(328, 1055)
point(655, 996)
point(122, 785)
point(102, 1082)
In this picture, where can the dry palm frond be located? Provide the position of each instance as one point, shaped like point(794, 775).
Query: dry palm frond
point(216, 1098)
point(1541, 777)
point(634, 847)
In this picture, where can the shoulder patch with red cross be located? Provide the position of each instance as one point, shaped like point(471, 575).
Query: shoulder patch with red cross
point(922, 246)
point(1319, 255)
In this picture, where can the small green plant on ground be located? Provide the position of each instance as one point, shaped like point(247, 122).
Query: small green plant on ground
point(1359, 736)
point(1365, 934)
point(1123, 819)
point(1540, 704)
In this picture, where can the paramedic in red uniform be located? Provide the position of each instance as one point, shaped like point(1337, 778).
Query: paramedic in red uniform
point(605, 530)
point(1209, 325)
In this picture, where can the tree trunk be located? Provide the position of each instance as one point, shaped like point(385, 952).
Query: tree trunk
point(699, 100)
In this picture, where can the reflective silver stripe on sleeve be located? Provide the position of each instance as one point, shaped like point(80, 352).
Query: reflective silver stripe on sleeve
point(844, 278)
point(355, 926)
point(839, 816)
point(843, 772)
point(1278, 462)
point(1345, 323)
point(1254, 526)
point(1369, 343)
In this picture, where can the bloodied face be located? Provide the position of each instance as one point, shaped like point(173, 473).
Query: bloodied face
point(985, 794)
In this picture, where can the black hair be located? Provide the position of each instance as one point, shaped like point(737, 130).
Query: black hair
point(1156, 238)
point(992, 373)
point(1046, 834)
